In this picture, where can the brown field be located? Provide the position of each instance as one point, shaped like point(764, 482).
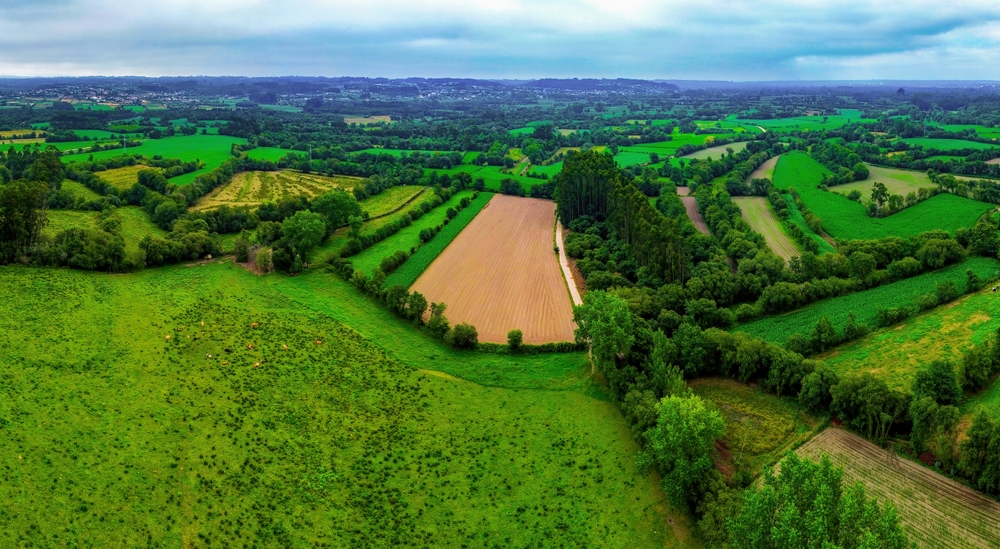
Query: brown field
point(758, 214)
point(501, 274)
point(683, 191)
point(253, 188)
point(692, 209)
point(993, 161)
point(123, 178)
point(364, 120)
point(935, 511)
point(765, 170)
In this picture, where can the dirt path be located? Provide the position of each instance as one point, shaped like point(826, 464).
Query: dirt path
point(574, 292)
point(934, 510)
point(692, 210)
point(759, 215)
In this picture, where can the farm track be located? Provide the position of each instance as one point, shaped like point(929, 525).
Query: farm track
point(692, 210)
point(759, 215)
point(574, 291)
point(934, 510)
point(501, 274)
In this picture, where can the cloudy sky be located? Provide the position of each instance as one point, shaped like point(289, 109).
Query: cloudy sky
point(682, 39)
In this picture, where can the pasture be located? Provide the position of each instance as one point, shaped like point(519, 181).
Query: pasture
point(901, 182)
point(765, 170)
point(944, 333)
point(846, 219)
point(758, 214)
point(805, 123)
point(254, 188)
point(407, 238)
point(502, 273)
point(947, 144)
point(359, 434)
point(795, 216)
point(865, 304)
point(123, 178)
point(760, 428)
point(79, 190)
point(410, 271)
point(934, 510)
point(717, 152)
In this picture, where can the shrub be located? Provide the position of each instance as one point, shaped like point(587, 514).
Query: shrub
point(463, 336)
point(515, 338)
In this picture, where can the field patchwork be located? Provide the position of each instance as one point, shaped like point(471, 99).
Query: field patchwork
point(502, 273)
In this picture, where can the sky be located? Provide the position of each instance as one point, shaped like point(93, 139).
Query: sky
point(741, 40)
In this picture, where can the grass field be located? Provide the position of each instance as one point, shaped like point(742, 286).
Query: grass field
point(761, 218)
point(213, 150)
point(273, 154)
point(501, 273)
point(408, 237)
point(391, 199)
point(717, 152)
point(947, 144)
point(795, 216)
point(935, 511)
point(806, 123)
point(846, 219)
point(865, 305)
point(945, 158)
point(351, 442)
point(981, 131)
point(760, 428)
point(135, 224)
point(628, 159)
point(765, 170)
point(254, 188)
point(942, 333)
point(410, 271)
point(668, 148)
point(79, 190)
point(123, 178)
point(901, 182)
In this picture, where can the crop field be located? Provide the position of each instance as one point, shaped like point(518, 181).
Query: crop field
point(691, 206)
point(408, 237)
point(934, 510)
point(947, 144)
point(501, 274)
point(758, 214)
point(366, 120)
point(409, 272)
point(135, 224)
point(865, 304)
point(362, 433)
point(717, 152)
point(253, 188)
point(213, 150)
point(760, 428)
point(941, 333)
point(765, 170)
point(846, 219)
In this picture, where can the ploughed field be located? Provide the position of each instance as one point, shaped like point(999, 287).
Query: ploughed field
point(934, 510)
point(502, 273)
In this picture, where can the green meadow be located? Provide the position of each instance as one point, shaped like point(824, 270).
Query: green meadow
point(947, 144)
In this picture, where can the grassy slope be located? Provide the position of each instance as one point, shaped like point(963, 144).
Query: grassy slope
point(843, 218)
point(408, 273)
point(761, 218)
point(717, 152)
point(942, 333)
point(348, 443)
point(391, 199)
point(865, 304)
point(79, 190)
point(407, 237)
point(135, 224)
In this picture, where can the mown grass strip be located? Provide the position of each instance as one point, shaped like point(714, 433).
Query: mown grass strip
point(410, 271)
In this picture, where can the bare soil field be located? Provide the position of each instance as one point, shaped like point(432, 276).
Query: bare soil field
point(993, 161)
point(683, 191)
point(501, 273)
point(253, 188)
point(765, 170)
point(717, 152)
point(694, 214)
point(935, 511)
point(759, 215)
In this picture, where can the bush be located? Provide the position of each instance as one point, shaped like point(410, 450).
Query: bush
point(515, 338)
point(463, 336)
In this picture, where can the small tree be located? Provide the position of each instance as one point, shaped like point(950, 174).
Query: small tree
point(463, 336)
point(263, 260)
point(241, 247)
point(416, 306)
point(438, 323)
point(515, 338)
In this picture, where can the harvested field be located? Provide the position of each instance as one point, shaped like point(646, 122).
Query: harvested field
point(683, 191)
point(253, 188)
point(123, 178)
point(765, 170)
point(501, 274)
point(692, 209)
point(758, 213)
point(935, 511)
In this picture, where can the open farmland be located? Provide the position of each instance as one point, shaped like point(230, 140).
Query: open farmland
point(691, 206)
point(942, 333)
point(410, 271)
point(948, 144)
point(901, 182)
point(846, 219)
point(366, 120)
point(392, 199)
point(253, 188)
point(501, 274)
point(758, 214)
point(717, 152)
point(765, 170)
point(934, 510)
point(366, 438)
point(123, 178)
point(79, 190)
point(865, 305)
point(805, 123)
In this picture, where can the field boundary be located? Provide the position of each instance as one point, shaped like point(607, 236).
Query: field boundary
point(405, 204)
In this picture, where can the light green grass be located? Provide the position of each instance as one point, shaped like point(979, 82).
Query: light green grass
point(629, 159)
point(948, 144)
point(758, 214)
point(865, 305)
point(117, 436)
point(273, 154)
point(391, 199)
point(410, 271)
point(807, 123)
point(901, 182)
point(79, 190)
point(135, 224)
point(846, 219)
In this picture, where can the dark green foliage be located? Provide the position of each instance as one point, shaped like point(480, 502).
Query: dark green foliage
point(336, 207)
point(937, 380)
point(21, 217)
point(462, 336)
point(584, 184)
point(980, 461)
point(515, 338)
point(868, 405)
